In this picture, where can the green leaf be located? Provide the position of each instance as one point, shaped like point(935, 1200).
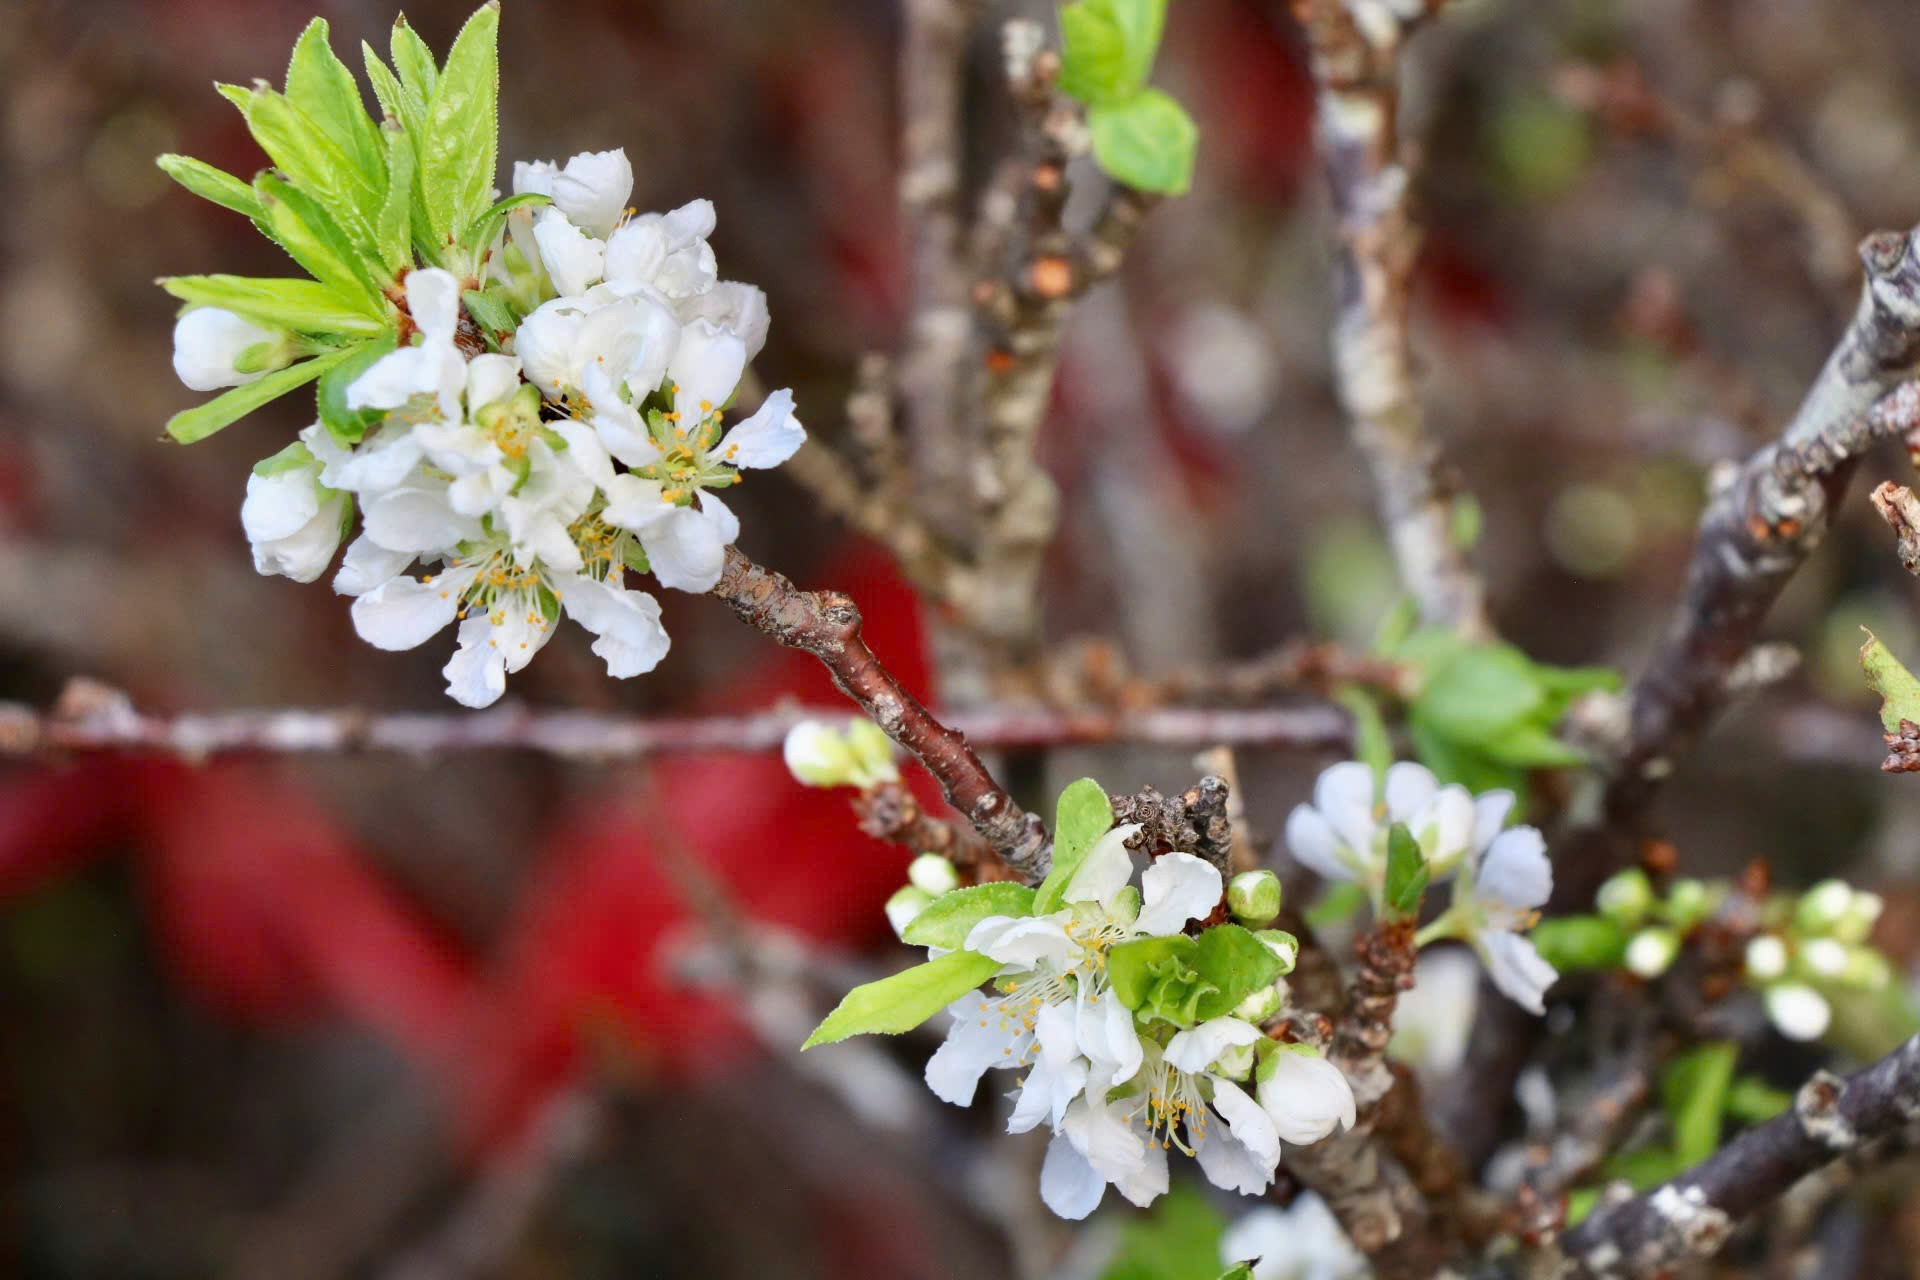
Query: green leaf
point(1407, 872)
point(349, 426)
point(949, 917)
point(1887, 676)
point(192, 425)
point(1082, 816)
point(1146, 142)
point(461, 141)
point(491, 308)
point(1108, 47)
point(1531, 746)
point(1130, 965)
point(292, 219)
point(302, 151)
point(1242, 1272)
point(479, 236)
point(400, 104)
point(905, 1000)
point(1371, 745)
point(1339, 902)
point(1158, 979)
point(1647, 1168)
point(393, 229)
point(413, 60)
point(320, 85)
point(1752, 1100)
point(1179, 1239)
point(1576, 944)
point(292, 458)
point(210, 183)
point(1235, 962)
point(1694, 1091)
point(1482, 693)
point(306, 306)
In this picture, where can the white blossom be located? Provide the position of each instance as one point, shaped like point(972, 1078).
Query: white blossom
point(208, 343)
point(1306, 1096)
point(434, 366)
point(1342, 835)
point(591, 189)
point(293, 522)
point(664, 253)
point(1300, 1242)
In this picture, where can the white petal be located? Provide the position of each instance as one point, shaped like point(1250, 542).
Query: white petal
point(1409, 787)
point(684, 549)
point(1306, 1097)
point(1249, 1122)
point(767, 439)
point(585, 450)
point(1344, 795)
point(1514, 872)
point(593, 189)
point(1176, 888)
point(546, 343)
point(491, 377)
point(477, 672)
point(1105, 1031)
point(1315, 846)
point(403, 613)
point(366, 565)
point(1145, 1180)
point(1069, 1184)
point(704, 370)
point(636, 339)
point(534, 177)
point(1058, 1075)
point(974, 1043)
point(1445, 827)
point(433, 300)
point(378, 466)
point(1519, 971)
point(1106, 868)
point(1194, 1050)
point(279, 505)
point(304, 554)
point(1229, 1162)
point(741, 309)
point(620, 426)
point(419, 520)
point(627, 624)
point(634, 502)
point(1023, 941)
point(206, 342)
point(396, 378)
point(1490, 810)
point(574, 260)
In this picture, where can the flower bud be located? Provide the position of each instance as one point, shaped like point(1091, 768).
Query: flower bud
point(1825, 957)
point(905, 906)
point(933, 873)
point(1688, 903)
point(817, 755)
point(1259, 1005)
point(1626, 897)
point(214, 348)
point(872, 753)
point(1651, 952)
point(1254, 897)
point(1282, 944)
point(1797, 1011)
point(1305, 1095)
point(1766, 958)
point(1822, 907)
point(1857, 923)
point(1867, 970)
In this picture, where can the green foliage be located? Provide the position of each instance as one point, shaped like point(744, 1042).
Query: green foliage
point(904, 1000)
point(1141, 137)
point(1484, 713)
point(951, 916)
point(1185, 980)
point(488, 224)
point(1887, 676)
point(1178, 1240)
point(1693, 1089)
point(1576, 944)
point(303, 305)
point(459, 146)
point(1407, 873)
point(230, 406)
point(209, 183)
point(1338, 903)
point(1235, 964)
point(1371, 744)
point(1081, 817)
point(346, 425)
point(1752, 1100)
point(291, 458)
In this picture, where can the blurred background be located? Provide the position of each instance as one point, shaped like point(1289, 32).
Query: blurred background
point(378, 1017)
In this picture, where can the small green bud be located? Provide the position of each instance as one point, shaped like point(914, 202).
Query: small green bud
point(1254, 897)
point(905, 906)
point(933, 873)
point(1867, 969)
point(1824, 957)
point(1822, 907)
point(1651, 951)
point(1626, 897)
point(872, 754)
point(817, 755)
point(1766, 958)
point(1856, 924)
point(1688, 903)
point(1282, 944)
point(1575, 944)
point(1260, 1005)
point(1126, 904)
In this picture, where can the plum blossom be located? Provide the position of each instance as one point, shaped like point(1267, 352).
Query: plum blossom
point(1496, 899)
point(293, 521)
point(1342, 835)
point(210, 346)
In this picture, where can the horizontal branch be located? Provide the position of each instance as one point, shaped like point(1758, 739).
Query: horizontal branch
point(92, 717)
point(1691, 1217)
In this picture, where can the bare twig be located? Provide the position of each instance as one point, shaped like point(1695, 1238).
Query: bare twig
point(94, 717)
point(1356, 65)
point(1691, 1217)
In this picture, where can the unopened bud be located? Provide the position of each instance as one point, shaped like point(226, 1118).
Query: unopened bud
point(1626, 897)
point(1867, 969)
point(1766, 958)
point(1822, 907)
point(1798, 1011)
point(1651, 952)
point(1283, 945)
point(933, 873)
point(1254, 897)
point(817, 755)
point(1259, 1005)
point(872, 753)
point(1688, 903)
point(1856, 924)
point(1825, 957)
point(905, 906)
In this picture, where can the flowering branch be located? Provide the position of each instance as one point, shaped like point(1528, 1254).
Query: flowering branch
point(1692, 1216)
point(1357, 68)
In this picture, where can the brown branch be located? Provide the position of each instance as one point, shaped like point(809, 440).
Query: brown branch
point(892, 812)
point(92, 717)
point(1356, 66)
point(1691, 1217)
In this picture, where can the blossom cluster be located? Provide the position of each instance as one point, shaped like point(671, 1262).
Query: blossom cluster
point(525, 481)
point(1501, 875)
